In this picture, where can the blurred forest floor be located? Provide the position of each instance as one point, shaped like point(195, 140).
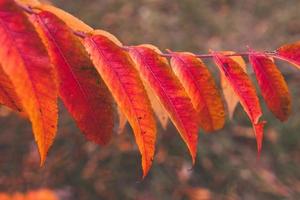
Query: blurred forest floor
point(226, 166)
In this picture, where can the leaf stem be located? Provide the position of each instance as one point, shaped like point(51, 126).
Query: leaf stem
point(209, 55)
point(80, 34)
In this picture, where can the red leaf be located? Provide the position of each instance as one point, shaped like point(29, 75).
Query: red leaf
point(81, 88)
point(244, 89)
point(272, 84)
point(8, 94)
point(72, 21)
point(158, 109)
point(159, 76)
point(201, 88)
point(290, 53)
point(25, 61)
point(119, 74)
point(230, 97)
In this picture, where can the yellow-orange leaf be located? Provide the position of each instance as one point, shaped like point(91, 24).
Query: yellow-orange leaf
point(244, 89)
point(81, 88)
point(156, 71)
point(108, 35)
point(25, 61)
point(201, 88)
point(272, 84)
point(8, 94)
point(158, 109)
point(75, 23)
point(121, 77)
point(231, 98)
point(31, 3)
point(72, 21)
point(122, 121)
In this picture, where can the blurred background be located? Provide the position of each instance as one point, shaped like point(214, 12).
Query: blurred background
point(226, 166)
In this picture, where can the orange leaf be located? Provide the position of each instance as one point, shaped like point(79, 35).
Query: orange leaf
point(4, 196)
point(158, 109)
point(18, 196)
point(159, 76)
point(244, 89)
point(290, 53)
point(272, 84)
point(108, 35)
point(31, 3)
point(231, 98)
point(8, 94)
point(41, 194)
point(72, 21)
point(156, 106)
point(75, 23)
point(201, 88)
point(122, 121)
point(25, 61)
point(121, 77)
point(81, 88)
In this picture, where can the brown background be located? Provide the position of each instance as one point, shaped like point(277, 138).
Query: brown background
point(226, 166)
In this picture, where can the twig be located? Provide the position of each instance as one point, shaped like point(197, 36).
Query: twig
point(81, 34)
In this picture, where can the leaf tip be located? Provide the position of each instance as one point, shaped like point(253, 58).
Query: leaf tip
point(146, 169)
point(259, 129)
point(42, 159)
point(193, 153)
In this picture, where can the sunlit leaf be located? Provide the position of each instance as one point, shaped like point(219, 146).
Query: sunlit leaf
point(244, 89)
point(81, 88)
point(159, 76)
point(72, 21)
point(121, 77)
point(31, 3)
point(25, 61)
point(122, 121)
point(290, 53)
point(8, 94)
point(231, 98)
point(272, 84)
point(158, 109)
point(201, 88)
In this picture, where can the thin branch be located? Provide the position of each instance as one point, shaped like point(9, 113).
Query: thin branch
point(80, 34)
point(168, 54)
point(269, 53)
